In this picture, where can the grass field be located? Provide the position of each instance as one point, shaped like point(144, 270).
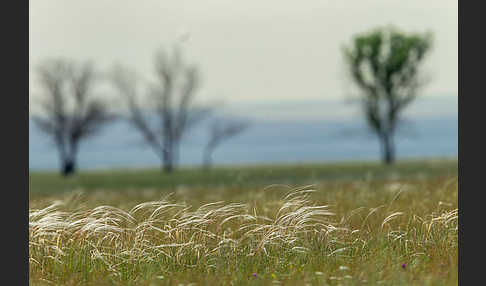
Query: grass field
point(334, 224)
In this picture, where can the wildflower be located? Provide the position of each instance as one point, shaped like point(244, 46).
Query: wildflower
point(254, 274)
point(343, 268)
point(404, 265)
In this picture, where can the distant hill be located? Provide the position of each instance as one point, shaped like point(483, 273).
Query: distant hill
point(430, 130)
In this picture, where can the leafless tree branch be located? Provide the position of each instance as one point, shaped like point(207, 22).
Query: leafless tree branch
point(172, 103)
point(65, 83)
point(220, 130)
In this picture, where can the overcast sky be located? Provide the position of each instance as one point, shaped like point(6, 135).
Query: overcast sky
point(247, 51)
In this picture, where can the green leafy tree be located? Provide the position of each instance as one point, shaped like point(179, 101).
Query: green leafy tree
point(384, 64)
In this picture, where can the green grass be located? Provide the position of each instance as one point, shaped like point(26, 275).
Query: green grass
point(371, 220)
point(46, 183)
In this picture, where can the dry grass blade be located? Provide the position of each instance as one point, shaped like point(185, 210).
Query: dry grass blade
point(391, 217)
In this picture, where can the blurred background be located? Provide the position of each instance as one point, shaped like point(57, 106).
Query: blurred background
point(277, 66)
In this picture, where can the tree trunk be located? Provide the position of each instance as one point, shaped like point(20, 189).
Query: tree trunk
point(388, 149)
point(67, 160)
point(168, 161)
point(168, 167)
point(68, 167)
point(207, 159)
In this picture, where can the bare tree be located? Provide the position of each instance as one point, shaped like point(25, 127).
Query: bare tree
point(69, 114)
point(384, 65)
point(170, 99)
point(219, 131)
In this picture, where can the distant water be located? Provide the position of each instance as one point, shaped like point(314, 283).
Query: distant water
point(283, 141)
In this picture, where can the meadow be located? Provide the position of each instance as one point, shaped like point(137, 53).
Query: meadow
point(358, 223)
